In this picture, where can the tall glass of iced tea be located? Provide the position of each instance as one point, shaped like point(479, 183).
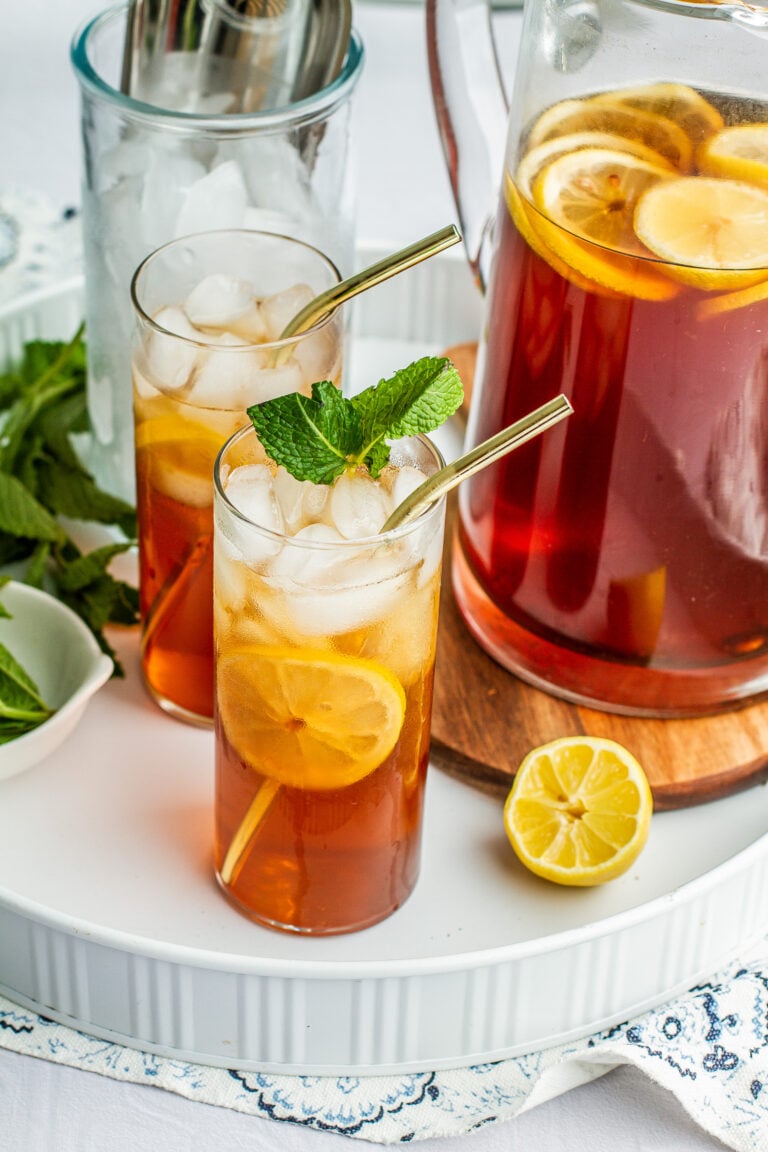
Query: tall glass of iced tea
point(622, 562)
point(209, 312)
point(325, 647)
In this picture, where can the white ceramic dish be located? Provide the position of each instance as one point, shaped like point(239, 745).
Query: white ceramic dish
point(111, 921)
point(59, 652)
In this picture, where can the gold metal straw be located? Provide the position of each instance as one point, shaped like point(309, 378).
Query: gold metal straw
point(325, 303)
point(480, 457)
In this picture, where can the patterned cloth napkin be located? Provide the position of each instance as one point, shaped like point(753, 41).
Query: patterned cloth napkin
point(709, 1047)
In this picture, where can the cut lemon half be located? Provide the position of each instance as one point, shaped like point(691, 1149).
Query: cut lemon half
point(678, 102)
point(579, 811)
point(309, 719)
point(713, 233)
point(593, 192)
point(602, 114)
point(737, 153)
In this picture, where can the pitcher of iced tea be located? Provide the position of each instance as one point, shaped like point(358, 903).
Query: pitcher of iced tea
point(622, 560)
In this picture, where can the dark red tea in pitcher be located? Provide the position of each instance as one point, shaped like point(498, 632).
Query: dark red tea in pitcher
point(622, 560)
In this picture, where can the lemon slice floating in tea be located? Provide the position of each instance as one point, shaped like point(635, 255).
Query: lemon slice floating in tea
point(309, 719)
point(586, 201)
point(606, 114)
point(685, 106)
point(579, 810)
point(713, 233)
point(738, 153)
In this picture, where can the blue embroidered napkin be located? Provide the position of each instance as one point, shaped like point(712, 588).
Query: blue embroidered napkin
point(709, 1047)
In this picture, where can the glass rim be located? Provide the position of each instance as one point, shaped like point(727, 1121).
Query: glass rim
point(246, 346)
point(352, 545)
point(316, 106)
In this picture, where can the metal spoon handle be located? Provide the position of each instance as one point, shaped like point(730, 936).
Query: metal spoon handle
point(480, 457)
point(369, 277)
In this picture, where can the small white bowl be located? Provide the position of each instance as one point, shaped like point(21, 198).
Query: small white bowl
point(60, 653)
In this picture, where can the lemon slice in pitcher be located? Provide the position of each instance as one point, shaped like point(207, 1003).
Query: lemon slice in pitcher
point(306, 718)
point(678, 102)
point(579, 810)
point(712, 233)
point(738, 153)
point(604, 114)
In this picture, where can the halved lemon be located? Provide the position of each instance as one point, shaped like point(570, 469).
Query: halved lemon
point(602, 114)
point(579, 810)
point(678, 102)
point(713, 233)
point(737, 153)
point(309, 718)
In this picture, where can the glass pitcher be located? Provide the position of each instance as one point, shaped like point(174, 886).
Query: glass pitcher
point(620, 561)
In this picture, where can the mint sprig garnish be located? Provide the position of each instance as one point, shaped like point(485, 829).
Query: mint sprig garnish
point(318, 438)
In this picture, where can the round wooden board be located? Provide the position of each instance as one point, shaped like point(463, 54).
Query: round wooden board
point(485, 720)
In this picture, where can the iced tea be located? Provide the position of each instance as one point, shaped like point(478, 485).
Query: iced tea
point(325, 648)
point(210, 309)
point(622, 560)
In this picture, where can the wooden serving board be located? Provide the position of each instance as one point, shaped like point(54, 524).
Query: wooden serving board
point(485, 720)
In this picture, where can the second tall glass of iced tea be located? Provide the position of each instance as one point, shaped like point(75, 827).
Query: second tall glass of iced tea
point(210, 310)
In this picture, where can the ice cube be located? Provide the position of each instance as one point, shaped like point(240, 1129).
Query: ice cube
point(301, 502)
point(349, 594)
point(407, 479)
point(249, 488)
point(281, 307)
point(297, 567)
point(250, 325)
point(227, 377)
point(167, 361)
point(319, 355)
point(218, 200)
point(277, 380)
point(168, 180)
point(218, 301)
point(406, 641)
point(358, 506)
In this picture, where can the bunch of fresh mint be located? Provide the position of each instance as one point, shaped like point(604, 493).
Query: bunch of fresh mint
point(22, 707)
point(319, 437)
point(42, 405)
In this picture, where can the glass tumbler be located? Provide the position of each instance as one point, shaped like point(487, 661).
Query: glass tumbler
point(325, 652)
point(209, 311)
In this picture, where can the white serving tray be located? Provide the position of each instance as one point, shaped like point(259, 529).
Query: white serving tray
point(111, 921)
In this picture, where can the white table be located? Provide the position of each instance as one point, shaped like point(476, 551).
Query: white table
point(403, 194)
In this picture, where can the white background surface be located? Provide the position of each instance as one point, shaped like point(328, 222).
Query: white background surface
point(403, 194)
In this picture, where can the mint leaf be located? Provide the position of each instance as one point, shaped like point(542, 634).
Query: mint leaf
point(20, 698)
point(312, 437)
point(42, 406)
point(415, 400)
point(321, 437)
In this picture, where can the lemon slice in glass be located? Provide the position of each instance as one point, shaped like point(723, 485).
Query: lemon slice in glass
point(309, 718)
point(579, 810)
point(712, 233)
point(178, 457)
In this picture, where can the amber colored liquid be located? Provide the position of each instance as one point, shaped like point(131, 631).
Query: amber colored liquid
point(330, 861)
point(622, 558)
point(176, 596)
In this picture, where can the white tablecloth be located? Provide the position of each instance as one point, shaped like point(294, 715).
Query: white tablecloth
point(403, 194)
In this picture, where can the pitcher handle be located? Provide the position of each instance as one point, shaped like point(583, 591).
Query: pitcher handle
point(471, 109)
